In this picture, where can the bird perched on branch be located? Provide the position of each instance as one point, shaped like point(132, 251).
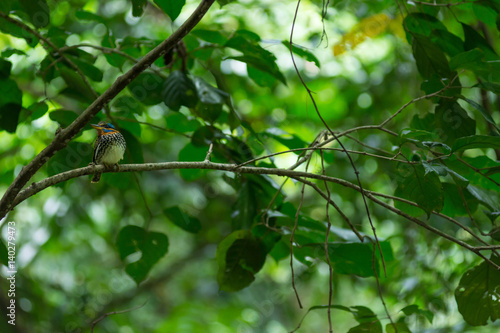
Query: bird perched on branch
point(109, 147)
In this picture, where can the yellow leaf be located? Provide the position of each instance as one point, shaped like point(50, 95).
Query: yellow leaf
point(367, 28)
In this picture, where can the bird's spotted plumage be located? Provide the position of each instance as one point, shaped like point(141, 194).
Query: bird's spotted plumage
point(109, 147)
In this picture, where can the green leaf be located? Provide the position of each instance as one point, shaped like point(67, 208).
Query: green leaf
point(477, 294)
point(474, 40)
point(463, 60)
point(476, 141)
point(239, 257)
point(7, 52)
point(245, 210)
point(374, 327)
point(38, 12)
point(6, 5)
point(491, 86)
point(3, 254)
point(423, 189)
point(261, 64)
point(138, 7)
point(422, 24)
point(10, 104)
point(429, 58)
point(368, 320)
point(352, 258)
point(76, 86)
point(262, 79)
point(89, 16)
point(448, 42)
point(151, 245)
point(210, 99)
point(224, 2)
point(171, 7)
point(253, 54)
point(147, 88)
point(291, 141)
point(74, 155)
point(133, 154)
point(179, 90)
point(182, 219)
point(38, 110)
point(179, 122)
point(64, 117)
point(5, 67)
point(453, 121)
point(302, 52)
point(13, 30)
point(485, 14)
point(87, 69)
point(414, 309)
point(115, 60)
point(454, 205)
point(195, 154)
point(486, 115)
point(400, 327)
point(211, 36)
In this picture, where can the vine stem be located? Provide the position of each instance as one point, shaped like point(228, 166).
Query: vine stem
point(356, 172)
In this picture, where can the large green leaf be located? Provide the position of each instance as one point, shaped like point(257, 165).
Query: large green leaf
point(211, 36)
point(74, 155)
point(76, 86)
point(182, 219)
point(415, 310)
point(478, 294)
point(239, 257)
point(152, 246)
point(179, 90)
point(147, 88)
point(476, 141)
point(352, 258)
point(38, 12)
point(429, 57)
point(192, 153)
point(180, 123)
point(417, 186)
point(254, 55)
point(210, 99)
point(13, 30)
point(302, 52)
point(171, 7)
point(422, 24)
point(64, 117)
point(452, 121)
point(10, 104)
point(245, 209)
point(486, 115)
point(134, 152)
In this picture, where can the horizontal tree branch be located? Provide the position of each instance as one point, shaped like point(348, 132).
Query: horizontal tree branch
point(300, 176)
point(63, 137)
point(34, 188)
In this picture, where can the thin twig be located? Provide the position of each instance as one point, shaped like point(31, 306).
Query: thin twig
point(356, 172)
point(113, 313)
point(327, 254)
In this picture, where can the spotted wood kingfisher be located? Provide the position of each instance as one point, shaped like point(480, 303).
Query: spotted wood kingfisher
point(109, 147)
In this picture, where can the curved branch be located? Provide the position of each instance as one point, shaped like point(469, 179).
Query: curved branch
point(63, 137)
point(300, 176)
point(34, 188)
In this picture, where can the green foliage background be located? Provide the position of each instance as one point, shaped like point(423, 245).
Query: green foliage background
point(197, 250)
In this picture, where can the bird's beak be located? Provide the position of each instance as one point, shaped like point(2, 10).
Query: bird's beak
point(95, 126)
